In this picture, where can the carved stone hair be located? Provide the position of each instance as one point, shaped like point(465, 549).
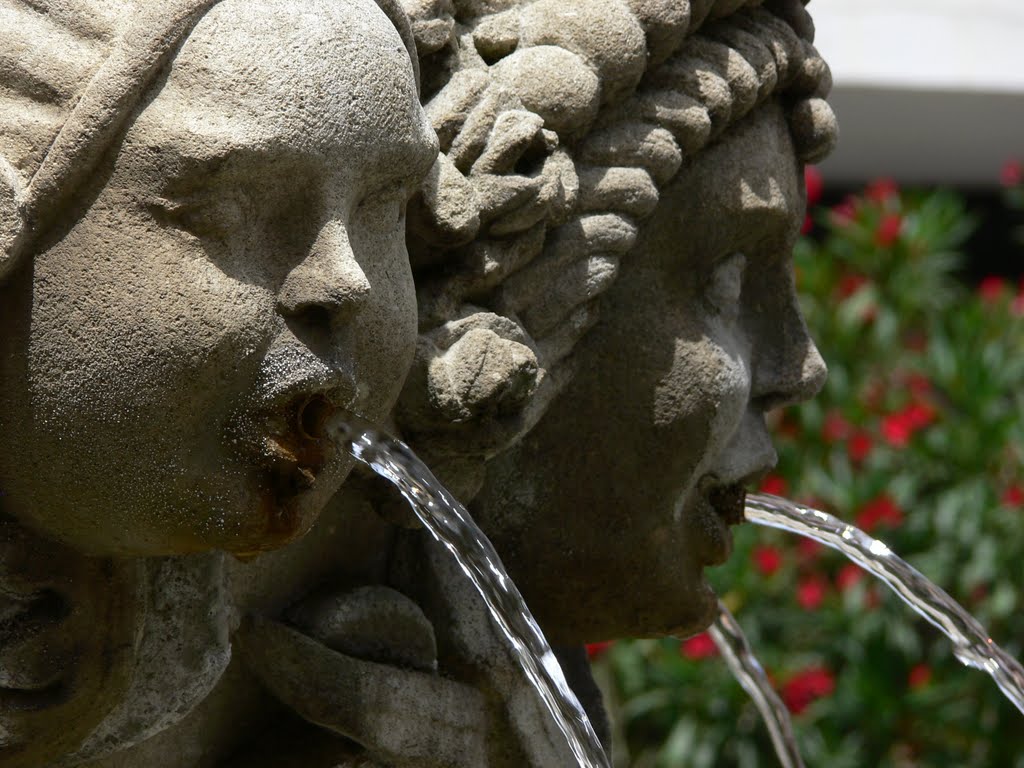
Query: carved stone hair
point(72, 72)
point(559, 124)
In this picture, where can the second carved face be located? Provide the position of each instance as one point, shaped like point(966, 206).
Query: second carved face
point(610, 510)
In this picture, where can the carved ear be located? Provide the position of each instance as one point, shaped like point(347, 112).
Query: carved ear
point(12, 219)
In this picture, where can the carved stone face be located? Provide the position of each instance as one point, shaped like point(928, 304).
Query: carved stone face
point(242, 250)
point(611, 508)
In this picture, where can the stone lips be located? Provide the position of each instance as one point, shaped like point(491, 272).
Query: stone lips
point(284, 439)
point(729, 502)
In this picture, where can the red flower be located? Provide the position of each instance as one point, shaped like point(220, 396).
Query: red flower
point(860, 446)
point(806, 687)
point(774, 484)
point(848, 575)
point(597, 650)
point(920, 675)
point(919, 384)
point(845, 212)
point(1011, 173)
point(813, 183)
point(896, 430)
point(888, 230)
point(880, 511)
point(919, 414)
point(881, 190)
point(899, 427)
point(809, 549)
point(992, 289)
point(835, 428)
point(810, 592)
point(767, 559)
point(1014, 496)
point(698, 647)
point(807, 226)
point(849, 284)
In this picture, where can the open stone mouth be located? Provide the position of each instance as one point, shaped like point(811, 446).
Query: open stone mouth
point(729, 502)
point(312, 415)
point(298, 452)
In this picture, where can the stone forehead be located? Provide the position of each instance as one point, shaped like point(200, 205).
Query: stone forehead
point(329, 72)
point(751, 169)
point(72, 73)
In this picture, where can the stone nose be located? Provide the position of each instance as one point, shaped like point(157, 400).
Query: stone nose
point(787, 367)
point(328, 286)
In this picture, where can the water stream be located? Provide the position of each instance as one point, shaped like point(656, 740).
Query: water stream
point(748, 671)
point(971, 643)
point(450, 523)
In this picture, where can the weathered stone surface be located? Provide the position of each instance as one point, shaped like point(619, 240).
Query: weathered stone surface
point(555, 84)
point(604, 32)
point(579, 321)
point(699, 335)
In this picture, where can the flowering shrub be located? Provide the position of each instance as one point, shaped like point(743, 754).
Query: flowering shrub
point(918, 438)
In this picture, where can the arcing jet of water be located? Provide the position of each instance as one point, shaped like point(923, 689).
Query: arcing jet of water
point(747, 669)
point(971, 643)
point(450, 523)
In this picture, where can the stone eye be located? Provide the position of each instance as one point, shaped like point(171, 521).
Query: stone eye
point(725, 286)
point(207, 216)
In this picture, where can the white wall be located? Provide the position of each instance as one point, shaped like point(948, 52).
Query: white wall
point(926, 90)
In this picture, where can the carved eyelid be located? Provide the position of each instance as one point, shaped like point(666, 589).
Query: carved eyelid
point(207, 208)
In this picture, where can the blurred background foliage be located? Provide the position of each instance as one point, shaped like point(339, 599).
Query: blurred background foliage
point(918, 439)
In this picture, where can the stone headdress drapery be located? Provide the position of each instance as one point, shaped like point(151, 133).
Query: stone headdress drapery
point(71, 74)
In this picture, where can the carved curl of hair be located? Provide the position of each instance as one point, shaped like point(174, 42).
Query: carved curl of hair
point(556, 143)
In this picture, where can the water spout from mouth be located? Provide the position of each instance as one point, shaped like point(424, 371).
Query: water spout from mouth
point(971, 644)
point(450, 523)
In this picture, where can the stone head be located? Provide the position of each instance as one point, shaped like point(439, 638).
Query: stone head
point(203, 226)
point(664, 325)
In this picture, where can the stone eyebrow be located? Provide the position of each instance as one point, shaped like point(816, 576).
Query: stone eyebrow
point(238, 160)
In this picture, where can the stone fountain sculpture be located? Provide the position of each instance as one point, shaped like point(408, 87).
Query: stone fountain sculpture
point(213, 214)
